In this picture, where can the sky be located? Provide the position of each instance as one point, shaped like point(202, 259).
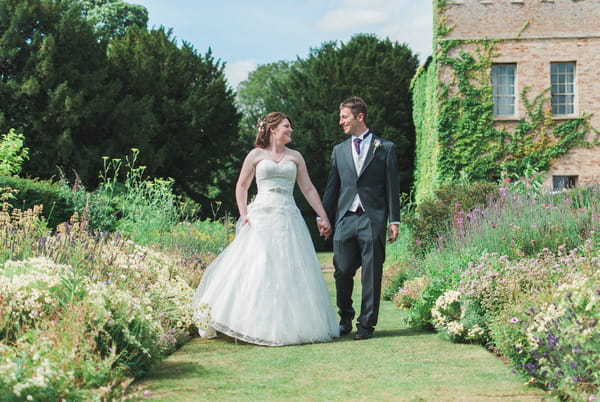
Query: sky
point(244, 34)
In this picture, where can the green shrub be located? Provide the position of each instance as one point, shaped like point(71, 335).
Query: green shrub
point(519, 276)
point(435, 216)
point(30, 192)
point(98, 211)
point(393, 279)
point(410, 291)
point(142, 208)
point(519, 225)
point(551, 336)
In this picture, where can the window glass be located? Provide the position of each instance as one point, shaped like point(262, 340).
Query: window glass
point(560, 183)
point(503, 89)
point(562, 79)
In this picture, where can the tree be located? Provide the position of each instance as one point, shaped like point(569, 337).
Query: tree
point(379, 71)
point(185, 122)
point(53, 84)
point(79, 94)
point(264, 91)
point(112, 18)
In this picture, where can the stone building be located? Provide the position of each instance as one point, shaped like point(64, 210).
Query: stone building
point(549, 48)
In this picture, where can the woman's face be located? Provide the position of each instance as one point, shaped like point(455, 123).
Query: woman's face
point(282, 134)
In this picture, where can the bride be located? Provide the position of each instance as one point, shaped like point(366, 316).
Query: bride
point(266, 287)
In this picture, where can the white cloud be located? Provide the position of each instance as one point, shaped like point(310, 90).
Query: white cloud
point(344, 19)
point(238, 71)
point(415, 28)
point(402, 21)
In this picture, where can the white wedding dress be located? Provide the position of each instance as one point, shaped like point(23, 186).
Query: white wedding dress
point(267, 287)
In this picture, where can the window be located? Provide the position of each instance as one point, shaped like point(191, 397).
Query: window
point(560, 183)
point(562, 78)
point(503, 89)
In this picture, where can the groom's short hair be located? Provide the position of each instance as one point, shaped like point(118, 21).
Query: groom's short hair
point(356, 105)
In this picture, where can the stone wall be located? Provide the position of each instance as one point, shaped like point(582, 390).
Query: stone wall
point(532, 34)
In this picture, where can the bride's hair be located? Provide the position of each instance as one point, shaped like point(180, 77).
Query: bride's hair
point(265, 125)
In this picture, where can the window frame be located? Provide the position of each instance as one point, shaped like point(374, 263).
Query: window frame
point(563, 101)
point(569, 180)
point(497, 93)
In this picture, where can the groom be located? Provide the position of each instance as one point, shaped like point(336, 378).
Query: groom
point(360, 198)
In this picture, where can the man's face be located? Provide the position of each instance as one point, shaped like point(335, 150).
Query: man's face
point(350, 124)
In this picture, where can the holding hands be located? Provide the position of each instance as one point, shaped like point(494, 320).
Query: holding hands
point(325, 229)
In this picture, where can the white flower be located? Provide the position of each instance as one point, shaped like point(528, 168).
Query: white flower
point(376, 144)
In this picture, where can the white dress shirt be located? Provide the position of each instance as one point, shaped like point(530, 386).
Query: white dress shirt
point(358, 162)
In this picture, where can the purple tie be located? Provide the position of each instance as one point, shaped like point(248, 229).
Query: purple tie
point(357, 145)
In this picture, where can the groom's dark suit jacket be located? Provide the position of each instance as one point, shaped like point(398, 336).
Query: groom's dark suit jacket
point(376, 184)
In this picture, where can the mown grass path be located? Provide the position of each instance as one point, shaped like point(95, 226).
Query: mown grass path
point(396, 364)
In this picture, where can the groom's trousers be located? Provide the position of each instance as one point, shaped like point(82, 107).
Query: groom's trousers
point(355, 245)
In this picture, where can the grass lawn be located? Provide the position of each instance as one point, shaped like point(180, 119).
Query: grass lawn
point(396, 364)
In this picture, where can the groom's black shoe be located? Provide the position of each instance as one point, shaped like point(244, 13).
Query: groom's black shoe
point(345, 329)
point(362, 333)
point(359, 336)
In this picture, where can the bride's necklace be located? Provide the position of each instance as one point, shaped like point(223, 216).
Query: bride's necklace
point(278, 157)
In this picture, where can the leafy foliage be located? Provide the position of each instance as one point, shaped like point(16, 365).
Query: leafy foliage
point(112, 18)
point(436, 215)
point(262, 92)
point(12, 153)
point(519, 276)
point(456, 131)
point(187, 124)
point(82, 79)
point(28, 193)
point(53, 82)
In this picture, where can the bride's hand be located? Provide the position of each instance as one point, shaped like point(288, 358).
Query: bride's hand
point(244, 220)
point(324, 228)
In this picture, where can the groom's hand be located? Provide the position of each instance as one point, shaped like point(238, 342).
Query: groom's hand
point(392, 232)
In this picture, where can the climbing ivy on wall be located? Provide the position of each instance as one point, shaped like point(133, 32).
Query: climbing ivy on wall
point(455, 123)
point(425, 112)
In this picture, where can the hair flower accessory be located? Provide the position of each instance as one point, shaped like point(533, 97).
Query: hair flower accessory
point(261, 124)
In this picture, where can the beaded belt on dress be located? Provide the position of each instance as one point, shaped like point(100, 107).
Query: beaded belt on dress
point(279, 190)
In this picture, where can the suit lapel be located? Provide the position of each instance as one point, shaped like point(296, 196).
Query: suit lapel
point(347, 155)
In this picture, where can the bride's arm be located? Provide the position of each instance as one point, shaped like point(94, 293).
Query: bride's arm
point(309, 191)
point(243, 184)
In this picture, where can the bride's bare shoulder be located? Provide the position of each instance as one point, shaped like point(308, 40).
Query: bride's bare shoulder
point(255, 155)
point(296, 156)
